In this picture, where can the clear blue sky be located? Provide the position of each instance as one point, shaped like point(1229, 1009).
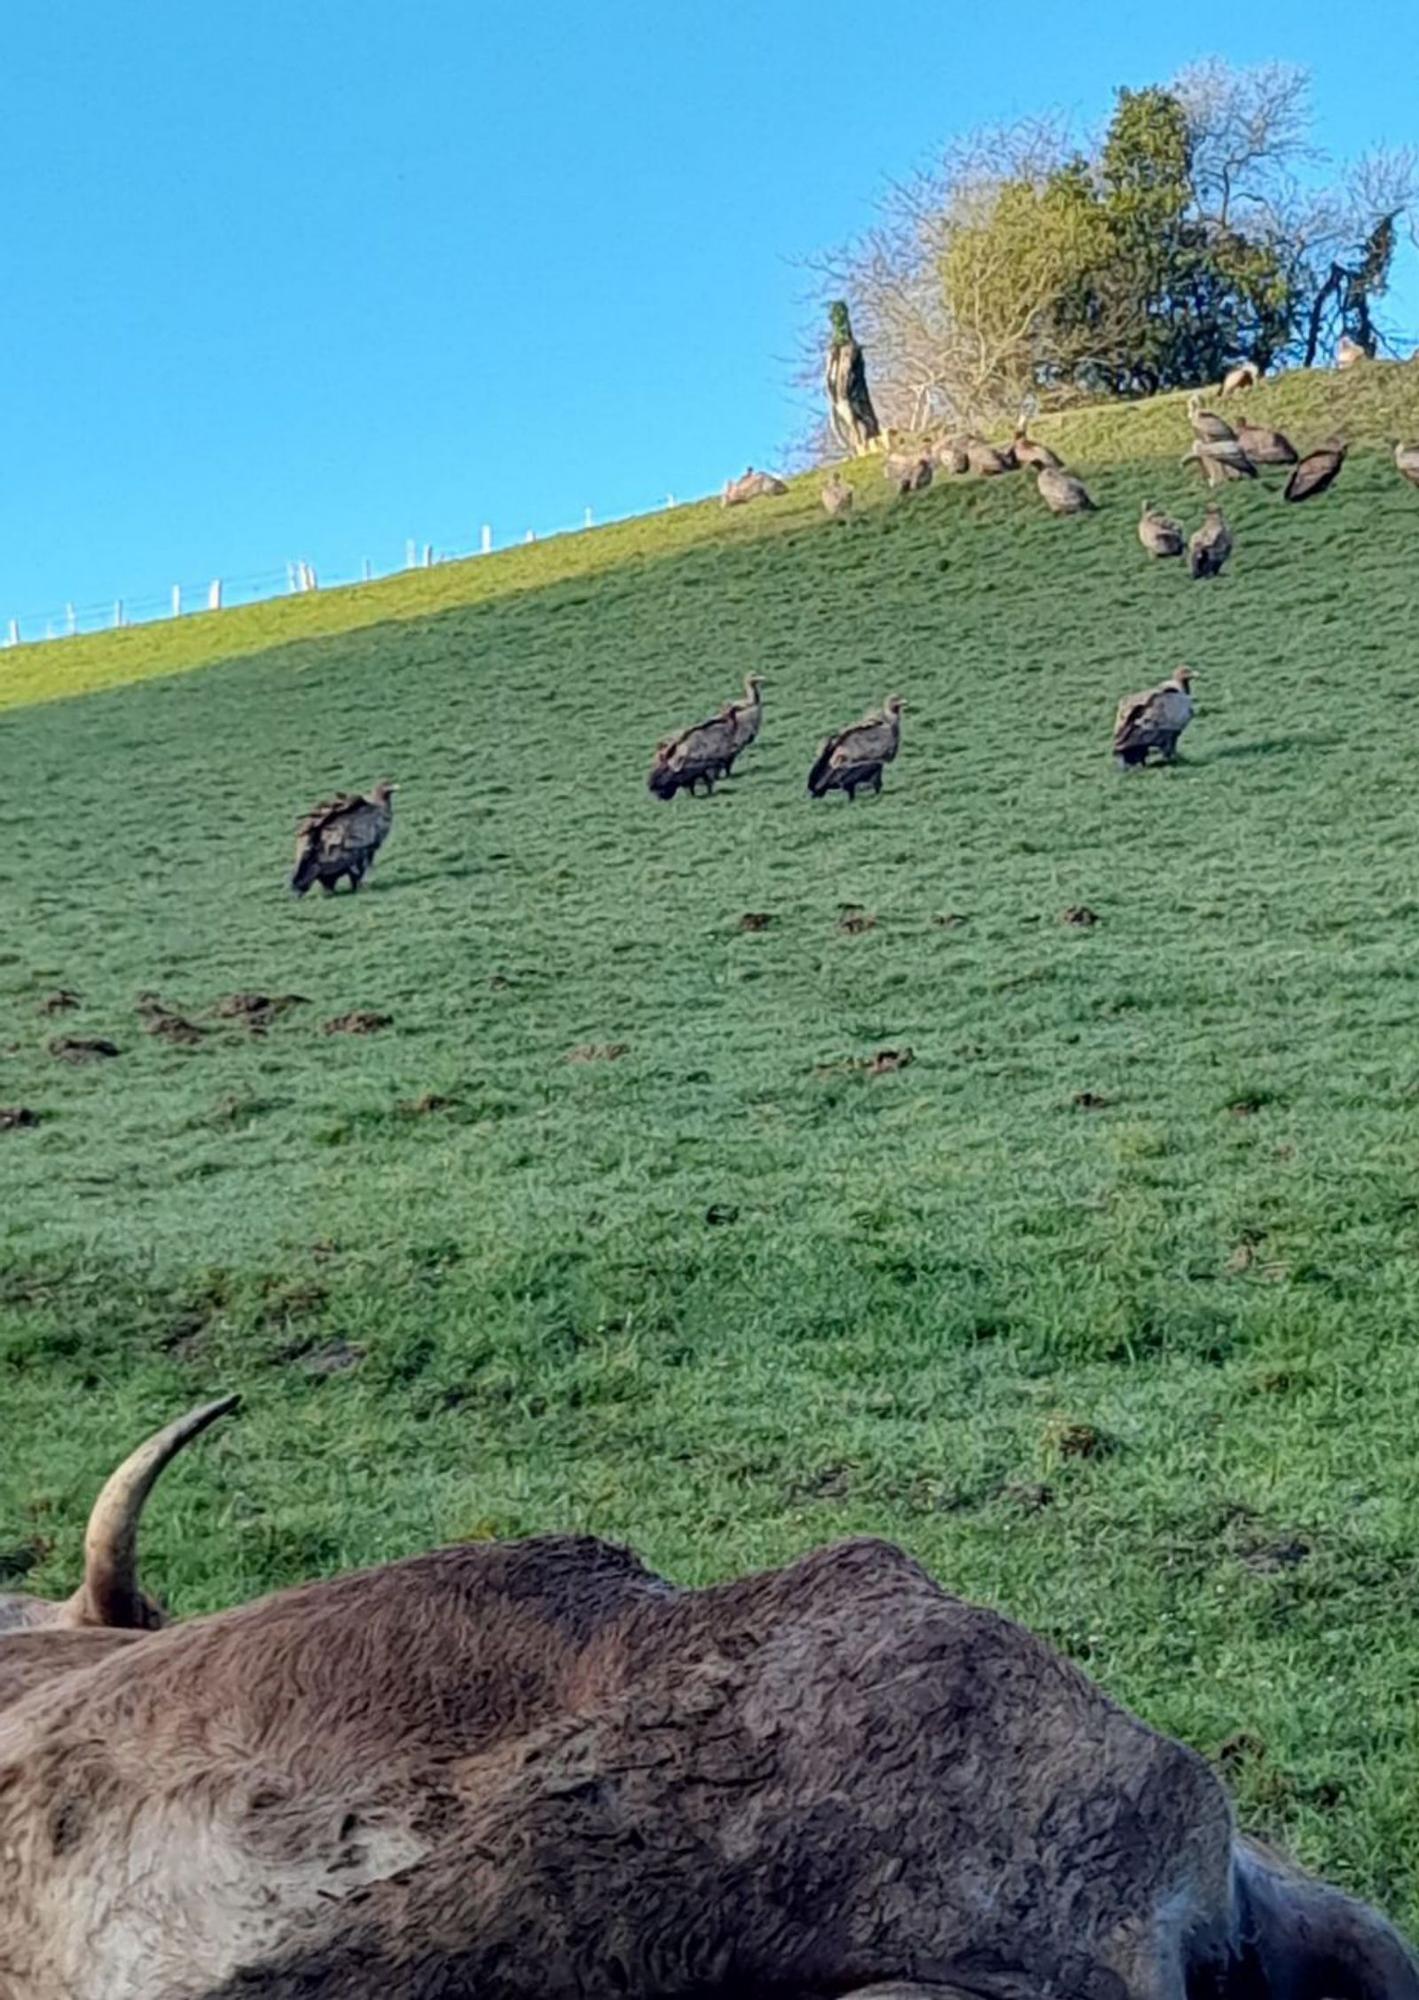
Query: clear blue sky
point(308, 280)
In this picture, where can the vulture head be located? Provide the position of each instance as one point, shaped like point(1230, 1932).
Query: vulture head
point(1183, 679)
point(383, 792)
point(893, 705)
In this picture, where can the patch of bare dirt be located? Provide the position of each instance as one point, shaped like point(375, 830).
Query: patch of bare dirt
point(82, 1048)
point(336, 1357)
point(362, 1022)
point(755, 920)
point(1089, 1100)
point(1032, 1496)
point(427, 1105)
point(589, 1052)
point(60, 1002)
point(949, 920)
point(1080, 915)
point(257, 1010)
point(854, 920)
point(1066, 1437)
point(887, 1060)
point(163, 1021)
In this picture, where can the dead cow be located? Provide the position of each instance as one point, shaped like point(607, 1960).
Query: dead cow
point(538, 1769)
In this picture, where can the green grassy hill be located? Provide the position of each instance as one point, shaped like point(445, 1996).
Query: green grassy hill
point(1105, 1305)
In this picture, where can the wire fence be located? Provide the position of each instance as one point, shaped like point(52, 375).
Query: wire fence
point(223, 593)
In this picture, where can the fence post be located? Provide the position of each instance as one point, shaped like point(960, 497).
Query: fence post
point(214, 594)
point(428, 555)
point(365, 570)
point(588, 517)
point(71, 621)
point(411, 554)
point(487, 543)
point(14, 631)
point(670, 499)
point(177, 600)
point(118, 611)
point(530, 536)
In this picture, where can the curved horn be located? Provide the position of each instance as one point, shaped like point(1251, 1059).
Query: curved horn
point(109, 1594)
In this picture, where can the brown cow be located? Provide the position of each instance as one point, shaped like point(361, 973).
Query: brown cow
point(539, 1770)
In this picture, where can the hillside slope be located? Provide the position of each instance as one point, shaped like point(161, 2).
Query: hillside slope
point(1104, 1304)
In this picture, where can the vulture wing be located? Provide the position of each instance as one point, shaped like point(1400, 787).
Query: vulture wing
point(1266, 447)
point(1316, 471)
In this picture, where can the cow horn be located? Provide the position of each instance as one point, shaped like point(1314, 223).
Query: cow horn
point(109, 1594)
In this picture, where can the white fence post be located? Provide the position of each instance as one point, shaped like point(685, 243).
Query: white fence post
point(118, 611)
point(365, 570)
point(214, 594)
point(487, 541)
point(428, 555)
point(71, 622)
point(411, 554)
point(530, 536)
point(588, 517)
point(14, 631)
point(177, 600)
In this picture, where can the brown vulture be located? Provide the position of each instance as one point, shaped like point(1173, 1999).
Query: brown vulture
point(1063, 493)
point(342, 836)
point(855, 757)
point(1159, 533)
point(1317, 470)
point(1210, 547)
point(1153, 720)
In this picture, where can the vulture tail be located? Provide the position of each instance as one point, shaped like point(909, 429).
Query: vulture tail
point(818, 776)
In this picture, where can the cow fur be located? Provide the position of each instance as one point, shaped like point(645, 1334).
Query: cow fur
point(537, 1769)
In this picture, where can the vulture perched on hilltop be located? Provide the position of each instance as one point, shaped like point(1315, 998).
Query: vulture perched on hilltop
point(837, 497)
point(1220, 461)
point(986, 460)
point(1030, 453)
point(854, 758)
point(1210, 547)
point(342, 837)
point(750, 485)
point(1153, 720)
point(1159, 533)
point(1266, 447)
point(1317, 470)
point(1245, 375)
point(1207, 426)
point(1406, 459)
point(1063, 493)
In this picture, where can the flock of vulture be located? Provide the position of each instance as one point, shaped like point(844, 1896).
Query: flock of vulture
point(339, 839)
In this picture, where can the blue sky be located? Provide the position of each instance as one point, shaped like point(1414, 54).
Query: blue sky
point(311, 281)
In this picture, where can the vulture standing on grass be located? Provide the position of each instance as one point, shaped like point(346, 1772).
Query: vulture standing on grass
point(1245, 375)
point(697, 756)
point(1220, 461)
point(1406, 459)
point(951, 455)
point(1210, 547)
point(1063, 493)
point(1153, 720)
point(1159, 533)
point(746, 717)
point(1266, 447)
point(855, 757)
point(1207, 426)
point(1030, 453)
point(342, 837)
point(837, 497)
point(986, 460)
point(1317, 470)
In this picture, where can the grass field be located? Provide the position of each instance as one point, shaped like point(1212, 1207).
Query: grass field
point(1138, 1368)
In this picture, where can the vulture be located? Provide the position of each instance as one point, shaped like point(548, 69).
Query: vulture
point(1348, 352)
point(1206, 424)
point(952, 455)
point(1062, 493)
point(837, 497)
point(342, 837)
point(1029, 452)
point(916, 477)
point(1221, 460)
point(1317, 470)
point(1159, 533)
point(987, 460)
point(855, 757)
point(750, 485)
point(1245, 375)
point(1265, 447)
point(697, 756)
point(1210, 547)
point(746, 716)
point(1153, 720)
point(1406, 459)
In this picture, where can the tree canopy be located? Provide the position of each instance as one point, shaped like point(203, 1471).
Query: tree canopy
point(1032, 268)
